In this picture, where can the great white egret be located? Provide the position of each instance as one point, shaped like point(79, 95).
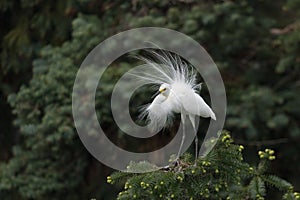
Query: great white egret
point(178, 93)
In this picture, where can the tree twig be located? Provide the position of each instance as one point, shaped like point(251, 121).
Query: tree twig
point(263, 142)
point(289, 28)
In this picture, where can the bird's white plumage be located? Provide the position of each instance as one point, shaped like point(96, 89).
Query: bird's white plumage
point(180, 94)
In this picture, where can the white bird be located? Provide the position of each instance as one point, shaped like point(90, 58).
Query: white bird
point(177, 94)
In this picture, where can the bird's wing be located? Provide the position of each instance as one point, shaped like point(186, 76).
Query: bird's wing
point(203, 109)
point(194, 104)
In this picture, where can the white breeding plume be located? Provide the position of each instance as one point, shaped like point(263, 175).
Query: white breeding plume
point(178, 93)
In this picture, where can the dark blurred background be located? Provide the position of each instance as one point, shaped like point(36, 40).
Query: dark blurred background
point(256, 45)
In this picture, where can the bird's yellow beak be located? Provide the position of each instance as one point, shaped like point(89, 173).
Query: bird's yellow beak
point(162, 90)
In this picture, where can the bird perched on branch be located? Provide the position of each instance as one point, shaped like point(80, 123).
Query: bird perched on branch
point(178, 93)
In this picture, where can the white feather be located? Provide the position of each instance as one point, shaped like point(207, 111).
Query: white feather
point(182, 98)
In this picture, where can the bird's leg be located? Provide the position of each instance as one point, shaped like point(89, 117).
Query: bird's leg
point(176, 161)
point(183, 135)
point(193, 121)
point(196, 148)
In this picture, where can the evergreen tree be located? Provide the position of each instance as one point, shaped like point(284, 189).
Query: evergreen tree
point(221, 174)
point(254, 43)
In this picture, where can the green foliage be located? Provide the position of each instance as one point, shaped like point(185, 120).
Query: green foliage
point(49, 160)
point(254, 43)
point(26, 26)
point(222, 174)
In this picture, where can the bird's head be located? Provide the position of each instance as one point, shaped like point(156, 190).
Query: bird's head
point(165, 89)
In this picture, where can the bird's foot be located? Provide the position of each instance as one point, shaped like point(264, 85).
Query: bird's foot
point(195, 164)
point(173, 164)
